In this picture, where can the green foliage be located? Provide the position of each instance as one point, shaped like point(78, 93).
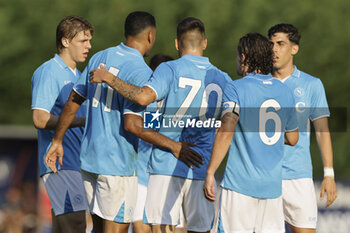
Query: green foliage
point(28, 39)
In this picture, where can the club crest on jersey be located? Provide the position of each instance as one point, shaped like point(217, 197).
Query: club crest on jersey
point(78, 199)
point(151, 120)
point(226, 105)
point(299, 91)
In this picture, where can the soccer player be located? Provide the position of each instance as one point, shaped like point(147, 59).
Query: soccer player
point(191, 88)
point(299, 199)
point(257, 119)
point(144, 153)
point(109, 145)
point(51, 85)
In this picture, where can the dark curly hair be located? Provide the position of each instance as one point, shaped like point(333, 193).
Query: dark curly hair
point(257, 50)
point(157, 59)
point(292, 32)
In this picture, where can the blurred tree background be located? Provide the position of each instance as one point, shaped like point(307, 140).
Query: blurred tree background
point(28, 30)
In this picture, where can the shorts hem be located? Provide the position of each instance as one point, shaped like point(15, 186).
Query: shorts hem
point(198, 230)
point(306, 226)
point(152, 222)
point(68, 212)
point(112, 219)
point(271, 231)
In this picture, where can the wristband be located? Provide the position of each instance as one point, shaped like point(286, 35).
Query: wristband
point(328, 171)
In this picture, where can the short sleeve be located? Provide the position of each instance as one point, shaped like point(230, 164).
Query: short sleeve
point(45, 90)
point(230, 101)
point(319, 105)
point(161, 80)
point(80, 86)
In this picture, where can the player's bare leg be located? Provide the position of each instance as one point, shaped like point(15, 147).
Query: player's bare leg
point(97, 224)
point(301, 230)
point(163, 229)
point(74, 222)
point(180, 230)
point(139, 227)
point(113, 227)
point(55, 225)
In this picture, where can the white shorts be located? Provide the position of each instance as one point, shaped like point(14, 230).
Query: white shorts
point(299, 203)
point(66, 191)
point(167, 194)
point(140, 202)
point(112, 198)
point(140, 205)
point(240, 213)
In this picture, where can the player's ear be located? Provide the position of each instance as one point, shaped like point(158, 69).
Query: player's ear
point(204, 44)
point(177, 44)
point(151, 35)
point(65, 42)
point(295, 49)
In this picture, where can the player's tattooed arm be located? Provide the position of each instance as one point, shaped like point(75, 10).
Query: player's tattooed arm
point(140, 95)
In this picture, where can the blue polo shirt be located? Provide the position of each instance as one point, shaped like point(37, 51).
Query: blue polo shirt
point(310, 104)
point(52, 84)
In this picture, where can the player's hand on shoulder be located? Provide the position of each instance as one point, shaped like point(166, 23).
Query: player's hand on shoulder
point(99, 75)
point(328, 186)
point(189, 156)
point(55, 151)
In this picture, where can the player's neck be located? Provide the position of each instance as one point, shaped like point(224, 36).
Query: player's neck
point(68, 60)
point(284, 72)
point(139, 46)
point(245, 72)
point(196, 52)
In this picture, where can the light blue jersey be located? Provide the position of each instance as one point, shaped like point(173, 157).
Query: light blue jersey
point(311, 104)
point(107, 148)
point(265, 108)
point(144, 154)
point(192, 90)
point(52, 84)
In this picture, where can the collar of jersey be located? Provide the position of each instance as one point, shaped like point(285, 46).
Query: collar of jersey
point(296, 72)
point(59, 61)
point(197, 59)
point(130, 50)
point(259, 76)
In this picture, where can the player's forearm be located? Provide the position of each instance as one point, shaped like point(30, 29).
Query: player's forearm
point(323, 138)
point(325, 145)
point(222, 142)
point(67, 118)
point(133, 93)
point(78, 122)
point(155, 138)
point(46, 120)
